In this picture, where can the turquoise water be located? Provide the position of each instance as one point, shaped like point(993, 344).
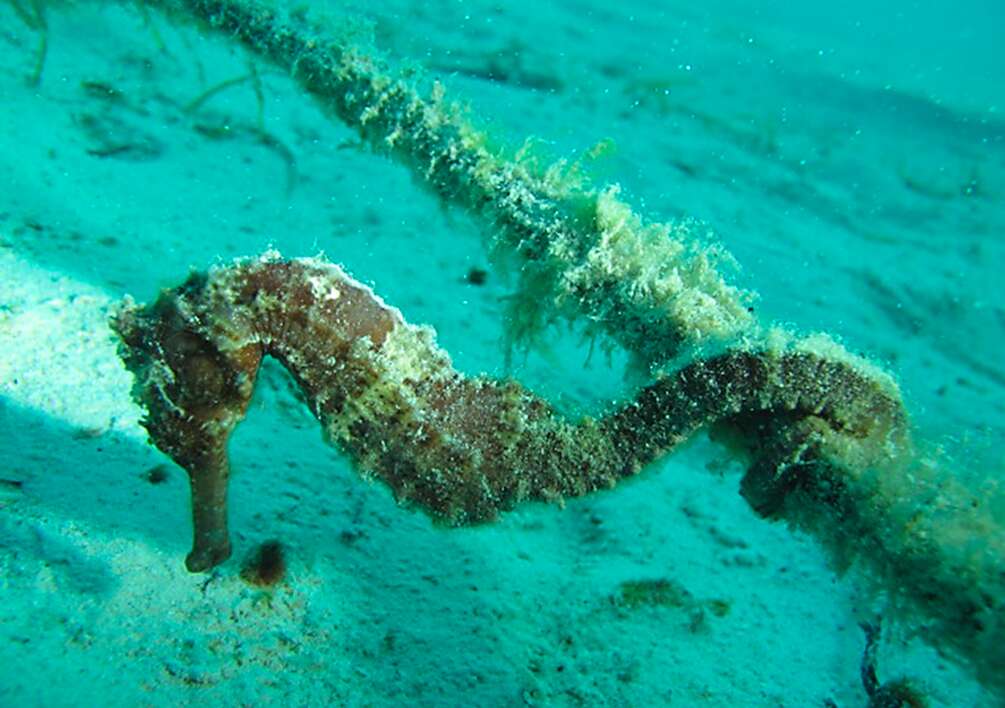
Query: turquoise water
point(851, 160)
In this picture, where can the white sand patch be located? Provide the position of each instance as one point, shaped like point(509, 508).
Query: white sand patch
point(57, 353)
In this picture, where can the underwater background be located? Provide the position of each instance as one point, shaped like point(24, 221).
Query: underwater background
point(852, 160)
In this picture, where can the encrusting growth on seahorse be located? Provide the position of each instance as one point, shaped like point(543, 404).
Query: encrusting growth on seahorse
point(461, 448)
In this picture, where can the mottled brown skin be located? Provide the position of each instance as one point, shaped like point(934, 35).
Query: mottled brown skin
point(461, 448)
point(195, 392)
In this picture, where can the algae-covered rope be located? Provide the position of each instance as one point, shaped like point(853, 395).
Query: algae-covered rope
point(581, 251)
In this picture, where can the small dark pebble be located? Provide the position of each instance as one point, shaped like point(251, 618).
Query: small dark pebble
point(158, 474)
point(266, 565)
point(477, 276)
